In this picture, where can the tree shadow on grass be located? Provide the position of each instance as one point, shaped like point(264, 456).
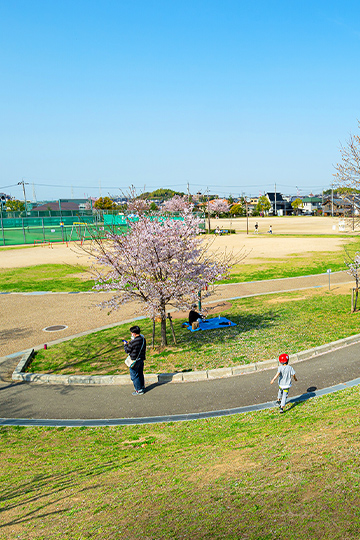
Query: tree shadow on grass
point(49, 487)
point(85, 357)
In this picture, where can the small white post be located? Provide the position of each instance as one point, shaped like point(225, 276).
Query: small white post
point(329, 272)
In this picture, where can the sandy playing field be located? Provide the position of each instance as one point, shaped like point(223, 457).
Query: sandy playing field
point(262, 245)
point(284, 225)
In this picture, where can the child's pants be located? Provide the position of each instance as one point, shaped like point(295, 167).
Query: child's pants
point(282, 396)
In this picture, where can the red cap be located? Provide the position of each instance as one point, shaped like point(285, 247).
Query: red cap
point(283, 358)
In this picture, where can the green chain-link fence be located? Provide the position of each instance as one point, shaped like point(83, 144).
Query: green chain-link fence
point(59, 227)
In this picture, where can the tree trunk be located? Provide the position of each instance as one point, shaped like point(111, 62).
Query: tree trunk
point(354, 299)
point(153, 334)
point(163, 329)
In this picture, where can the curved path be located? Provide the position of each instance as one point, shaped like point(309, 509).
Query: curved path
point(26, 404)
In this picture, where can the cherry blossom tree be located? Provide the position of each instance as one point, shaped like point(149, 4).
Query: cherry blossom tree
point(178, 204)
point(138, 206)
point(219, 206)
point(160, 262)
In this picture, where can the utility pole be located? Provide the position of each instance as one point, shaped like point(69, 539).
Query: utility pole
point(188, 190)
point(247, 216)
point(208, 208)
point(353, 213)
point(22, 183)
point(275, 201)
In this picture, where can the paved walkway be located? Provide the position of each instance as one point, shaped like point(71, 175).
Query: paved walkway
point(26, 404)
point(104, 405)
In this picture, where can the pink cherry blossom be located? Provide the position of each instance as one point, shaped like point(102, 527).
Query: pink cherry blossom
point(219, 206)
point(178, 204)
point(161, 262)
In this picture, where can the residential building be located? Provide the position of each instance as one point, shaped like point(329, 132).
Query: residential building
point(279, 206)
point(311, 205)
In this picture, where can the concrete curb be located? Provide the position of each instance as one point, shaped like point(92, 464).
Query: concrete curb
point(161, 378)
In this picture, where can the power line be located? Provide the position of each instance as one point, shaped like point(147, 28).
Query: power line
point(5, 187)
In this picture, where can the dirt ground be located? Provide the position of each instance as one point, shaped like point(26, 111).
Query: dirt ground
point(284, 225)
point(261, 245)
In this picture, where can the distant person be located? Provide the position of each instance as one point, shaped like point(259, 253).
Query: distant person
point(194, 317)
point(136, 349)
point(256, 228)
point(270, 230)
point(217, 230)
point(284, 372)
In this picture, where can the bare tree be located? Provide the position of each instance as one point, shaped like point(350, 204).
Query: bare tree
point(348, 177)
point(348, 171)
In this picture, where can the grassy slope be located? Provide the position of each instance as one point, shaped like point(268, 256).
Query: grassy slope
point(266, 326)
point(258, 476)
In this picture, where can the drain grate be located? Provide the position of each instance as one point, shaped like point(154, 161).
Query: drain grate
point(55, 328)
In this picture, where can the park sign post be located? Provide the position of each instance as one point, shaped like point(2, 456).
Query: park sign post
point(329, 272)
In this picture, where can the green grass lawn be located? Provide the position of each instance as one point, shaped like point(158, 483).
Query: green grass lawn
point(257, 476)
point(266, 326)
point(45, 277)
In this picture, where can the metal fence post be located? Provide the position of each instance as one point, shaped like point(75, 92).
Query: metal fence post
point(2, 228)
point(22, 220)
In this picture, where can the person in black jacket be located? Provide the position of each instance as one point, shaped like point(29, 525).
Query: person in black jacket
point(136, 349)
point(194, 315)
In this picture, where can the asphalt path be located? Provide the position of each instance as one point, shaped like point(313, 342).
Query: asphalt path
point(101, 405)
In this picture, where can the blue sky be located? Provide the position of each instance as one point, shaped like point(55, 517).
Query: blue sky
point(233, 96)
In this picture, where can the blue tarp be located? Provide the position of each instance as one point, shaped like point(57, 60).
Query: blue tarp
point(211, 324)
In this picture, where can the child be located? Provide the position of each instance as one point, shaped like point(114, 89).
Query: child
point(285, 372)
